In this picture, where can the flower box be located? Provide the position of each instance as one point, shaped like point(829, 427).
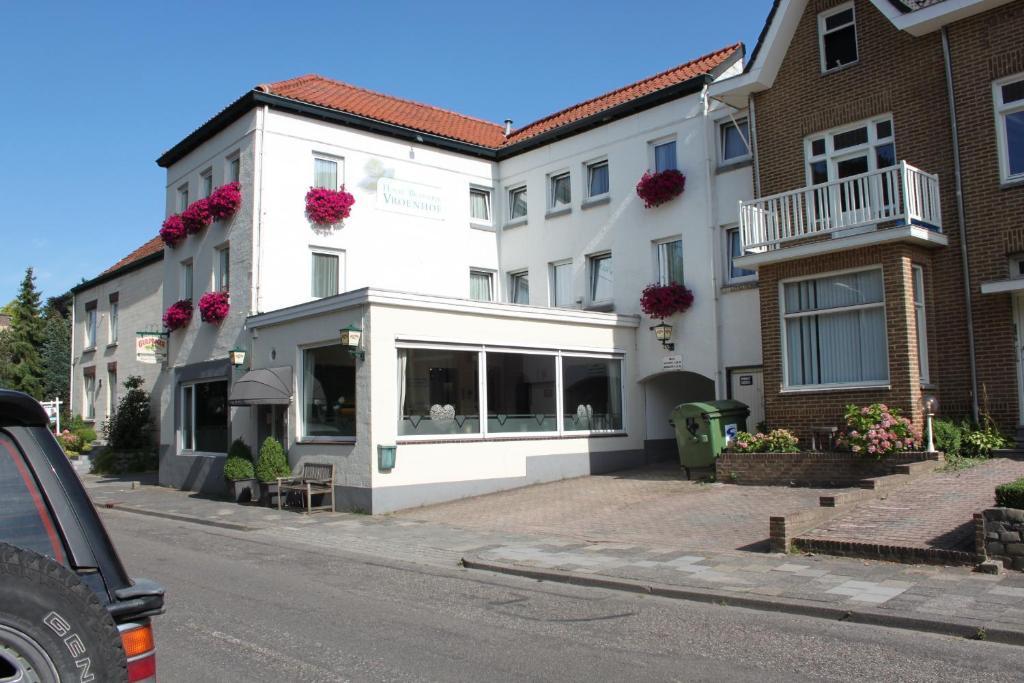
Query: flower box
point(328, 207)
point(657, 188)
point(173, 231)
point(178, 314)
point(225, 201)
point(213, 307)
point(664, 301)
point(197, 216)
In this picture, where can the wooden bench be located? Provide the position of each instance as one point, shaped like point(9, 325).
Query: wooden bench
point(317, 478)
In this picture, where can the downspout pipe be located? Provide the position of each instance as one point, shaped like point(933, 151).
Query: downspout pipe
point(962, 219)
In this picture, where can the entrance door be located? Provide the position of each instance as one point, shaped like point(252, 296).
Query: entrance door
point(271, 421)
point(747, 385)
point(1018, 324)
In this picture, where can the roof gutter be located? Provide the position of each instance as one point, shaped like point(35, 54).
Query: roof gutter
point(123, 270)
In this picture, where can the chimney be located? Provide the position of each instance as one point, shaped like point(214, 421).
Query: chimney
point(508, 127)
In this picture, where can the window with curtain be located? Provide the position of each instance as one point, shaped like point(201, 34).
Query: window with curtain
point(186, 280)
point(325, 173)
point(90, 325)
point(207, 182)
point(670, 262)
point(438, 392)
point(204, 417)
point(597, 179)
point(1009, 103)
point(835, 330)
point(182, 198)
point(111, 391)
point(733, 250)
point(734, 139)
point(89, 394)
point(561, 285)
point(561, 193)
point(328, 392)
point(517, 203)
point(665, 156)
point(600, 278)
point(234, 171)
point(480, 205)
point(592, 394)
point(520, 393)
point(326, 272)
point(921, 324)
point(519, 287)
point(223, 272)
point(112, 319)
point(481, 285)
point(837, 35)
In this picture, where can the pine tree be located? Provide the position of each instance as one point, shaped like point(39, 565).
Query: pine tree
point(56, 353)
point(26, 338)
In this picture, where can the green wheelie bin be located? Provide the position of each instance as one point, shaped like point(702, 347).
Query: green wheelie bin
point(704, 429)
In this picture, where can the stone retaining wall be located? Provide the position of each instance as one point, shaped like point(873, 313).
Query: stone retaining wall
point(1003, 532)
point(808, 468)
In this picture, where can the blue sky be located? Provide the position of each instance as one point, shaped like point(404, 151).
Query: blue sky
point(93, 93)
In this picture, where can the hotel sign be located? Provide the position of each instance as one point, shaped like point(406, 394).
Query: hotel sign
point(409, 198)
point(151, 347)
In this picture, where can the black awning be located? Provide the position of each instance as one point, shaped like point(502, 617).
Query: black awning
point(266, 386)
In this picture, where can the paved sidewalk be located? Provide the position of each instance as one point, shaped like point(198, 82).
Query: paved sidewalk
point(939, 599)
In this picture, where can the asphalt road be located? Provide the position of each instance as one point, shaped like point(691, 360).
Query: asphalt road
point(252, 606)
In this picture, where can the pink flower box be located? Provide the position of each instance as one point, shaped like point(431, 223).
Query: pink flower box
point(173, 231)
point(657, 188)
point(197, 216)
point(328, 207)
point(663, 301)
point(213, 307)
point(178, 315)
point(225, 201)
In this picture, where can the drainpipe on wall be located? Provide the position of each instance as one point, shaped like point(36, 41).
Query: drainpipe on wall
point(752, 132)
point(961, 217)
point(710, 157)
point(254, 305)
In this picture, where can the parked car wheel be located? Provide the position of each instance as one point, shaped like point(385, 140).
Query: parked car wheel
point(52, 626)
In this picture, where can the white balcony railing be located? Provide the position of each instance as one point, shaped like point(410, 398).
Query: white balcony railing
point(901, 194)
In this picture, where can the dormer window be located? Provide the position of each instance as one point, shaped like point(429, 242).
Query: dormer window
point(837, 37)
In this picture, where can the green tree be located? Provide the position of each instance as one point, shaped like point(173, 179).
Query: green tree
point(26, 370)
point(56, 353)
point(5, 359)
point(128, 427)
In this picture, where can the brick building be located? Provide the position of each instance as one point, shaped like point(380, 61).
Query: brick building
point(867, 120)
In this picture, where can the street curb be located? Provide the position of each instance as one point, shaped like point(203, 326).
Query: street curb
point(963, 629)
point(180, 518)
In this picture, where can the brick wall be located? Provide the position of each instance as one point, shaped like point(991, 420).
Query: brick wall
point(807, 468)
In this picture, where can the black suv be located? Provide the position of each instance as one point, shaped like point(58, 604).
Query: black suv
point(68, 611)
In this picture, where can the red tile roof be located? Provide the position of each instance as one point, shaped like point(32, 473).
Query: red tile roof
point(148, 249)
point(326, 92)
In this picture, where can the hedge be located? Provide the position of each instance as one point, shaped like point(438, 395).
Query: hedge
point(1011, 495)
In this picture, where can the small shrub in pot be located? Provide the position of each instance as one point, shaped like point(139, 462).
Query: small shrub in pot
point(273, 463)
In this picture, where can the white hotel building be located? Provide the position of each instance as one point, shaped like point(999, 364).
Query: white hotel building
point(495, 273)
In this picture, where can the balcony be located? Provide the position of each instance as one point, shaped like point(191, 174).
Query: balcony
point(897, 196)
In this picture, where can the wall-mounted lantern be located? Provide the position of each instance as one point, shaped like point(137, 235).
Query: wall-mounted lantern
point(237, 357)
point(351, 337)
point(663, 333)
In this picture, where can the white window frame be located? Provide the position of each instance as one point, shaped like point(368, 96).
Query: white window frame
point(723, 126)
point(327, 251)
point(822, 32)
point(490, 275)
point(182, 197)
point(833, 157)
point(921, 322)
point(231, 162)
point(552, 177)
point(192, 408)
point(186, 280)
point(728, 230)
point(558, 353)
point(89, 395)
point(652, 155)
point(1001, 111)
point(339, 162)
point(588, 168)
point(661, 259)
point(552, 282)
point(486, 191)
point(222, 270)
point(91, 323)
point(510, 194)
point(112, 319)
point(300, 411)
point(206, 182)
point(783, 316)
point(592, 259)
point(513, 275)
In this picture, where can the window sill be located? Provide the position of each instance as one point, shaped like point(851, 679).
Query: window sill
point(1011, 183)
point(601, 306)
point(553, 213)
point(485, 227)
point(734, 164)
point(112, 345)
point(740, 286)
point(89, 349)
point(837, 69)
point(340, 441)
point(202, 454)
point(825, 388)
point(596, 201)
point(515, 223)
point(494, 437)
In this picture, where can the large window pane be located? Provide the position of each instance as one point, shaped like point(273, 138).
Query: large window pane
point(187, 406)
point(481, 285)
point(734, 140)
point(438, 392)
point(211, 417)
point(517, 202)
point(561, 285)
point(520, 393)
point(592, 393)
point(561, 194)
point(670, 262)
point(1015, 142)
point(328, 392)
point(520, 285)
point(601, 278)
point(480, 205)
point(598, 179)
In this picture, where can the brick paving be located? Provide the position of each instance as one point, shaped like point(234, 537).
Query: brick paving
point(652, 506)
point(931, 512)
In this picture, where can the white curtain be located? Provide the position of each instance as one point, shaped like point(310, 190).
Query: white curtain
point(665, 156)
point(562, 276)
point(598, 180)
point(325, 174)
point(325, 275)
point(478, 205)
point(520, 289)
point(480, 286)
point(561, 192)
point(403, 368)
point(518, 204)
point(601, 279)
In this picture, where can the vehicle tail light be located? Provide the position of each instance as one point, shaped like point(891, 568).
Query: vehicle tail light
point(140, 650)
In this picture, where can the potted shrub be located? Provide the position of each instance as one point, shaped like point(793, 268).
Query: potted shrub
point(213, 307)
point(225, 201)
point(657, 188)
point(240, 473)
point(273, 463)
point(178, 314)
point(328, 207)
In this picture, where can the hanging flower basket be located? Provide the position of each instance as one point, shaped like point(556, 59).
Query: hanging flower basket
point(657, 188)
point(224, 202)
point(664, 301)
point(213, 307)
point(173, 231)
point(178, 314)
point(328, 207)
point(197, 216)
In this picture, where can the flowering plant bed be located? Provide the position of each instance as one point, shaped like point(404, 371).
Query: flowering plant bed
point(657, 188)
point(878, 430)
point(178, 314)
point(224, 201)
point(662, 301)
point(197, 216)
point(775, 441)
point(173, 230)
point(328, 207)
point(213, 307)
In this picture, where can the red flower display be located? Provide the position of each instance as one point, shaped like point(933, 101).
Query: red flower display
point(213, 307)
point(662, 301)
point(197, 216)
point(178, 314)
point(224, 201)
point(657, 188)
point(173, 230)
point(327, 207)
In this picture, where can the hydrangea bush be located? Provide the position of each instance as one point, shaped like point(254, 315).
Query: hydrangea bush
point(877, 430)
point(657, 188)
point(662, 301)
point(197, 216)
point(775, 441)
point(328, 207)
point(225, 201)
point(178, 314)
point(173, 230)
point(213, 307)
